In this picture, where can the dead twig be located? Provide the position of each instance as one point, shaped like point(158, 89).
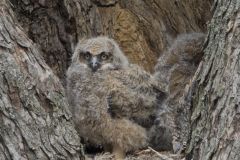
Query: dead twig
point(164, 157)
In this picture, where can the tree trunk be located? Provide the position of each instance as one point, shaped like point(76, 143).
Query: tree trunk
point(34, 116)
point(215, 112)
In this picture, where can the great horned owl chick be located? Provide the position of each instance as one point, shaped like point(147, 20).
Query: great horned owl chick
point(110, 99)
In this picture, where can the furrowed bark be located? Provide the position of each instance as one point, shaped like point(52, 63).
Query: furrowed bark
point(34, 115)
point(215, 111)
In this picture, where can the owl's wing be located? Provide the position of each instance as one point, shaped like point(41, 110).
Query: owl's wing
point(133, 94)
point(125, 102)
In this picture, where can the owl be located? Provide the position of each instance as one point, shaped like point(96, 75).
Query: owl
point(112, 102)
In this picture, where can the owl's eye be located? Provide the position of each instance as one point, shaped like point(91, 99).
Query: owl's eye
point(87, 55)
point(104, 56)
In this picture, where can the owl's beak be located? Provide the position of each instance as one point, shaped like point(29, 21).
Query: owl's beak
point(94, 64)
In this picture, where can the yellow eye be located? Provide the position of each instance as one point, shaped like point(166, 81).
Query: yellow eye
point(104, 56)
point(87, 56)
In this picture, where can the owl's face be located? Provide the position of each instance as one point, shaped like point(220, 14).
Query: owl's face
point(100, 53)
point(95, 61)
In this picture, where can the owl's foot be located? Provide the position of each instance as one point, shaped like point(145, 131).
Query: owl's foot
point(118, 152)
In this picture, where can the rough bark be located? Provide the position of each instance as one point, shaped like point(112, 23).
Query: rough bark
point(34, 116)
point(144, 28)
point(215, 111)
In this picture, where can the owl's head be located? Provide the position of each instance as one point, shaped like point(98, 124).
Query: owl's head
point(100, 53)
